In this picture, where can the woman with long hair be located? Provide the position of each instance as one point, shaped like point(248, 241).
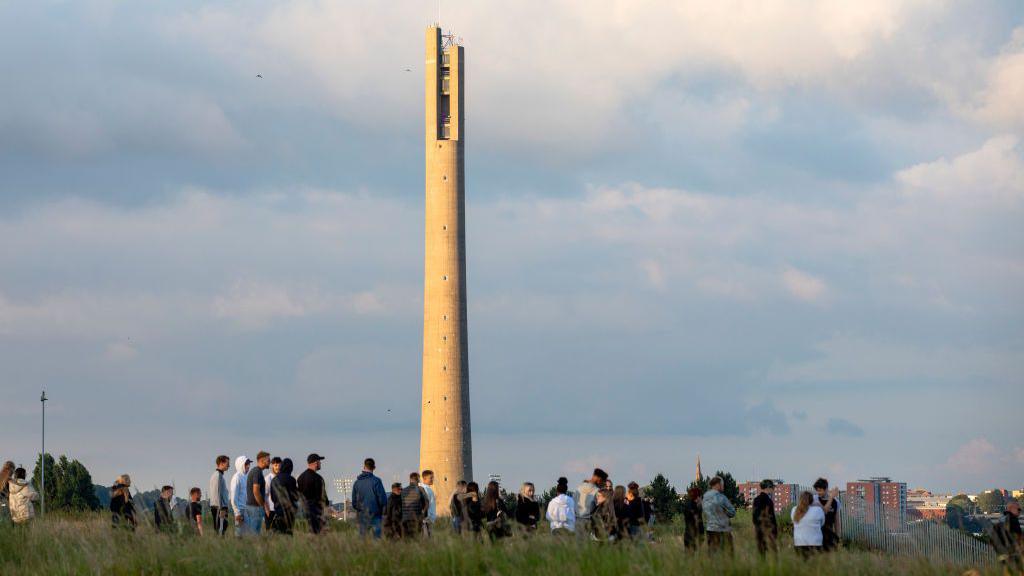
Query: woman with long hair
point(634, 511)
point(807, 522)
point(6, 473)
point(495, 513)
point(603, 520)
point(122, 507)
point(621, 514)
point(472, 509)
point(527, 508)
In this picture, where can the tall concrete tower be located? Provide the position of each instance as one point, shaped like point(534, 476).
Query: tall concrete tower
point(445, 440)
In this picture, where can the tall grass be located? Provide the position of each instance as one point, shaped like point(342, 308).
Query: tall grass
point(86, 545)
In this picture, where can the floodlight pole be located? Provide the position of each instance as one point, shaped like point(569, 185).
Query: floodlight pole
point(42, 461)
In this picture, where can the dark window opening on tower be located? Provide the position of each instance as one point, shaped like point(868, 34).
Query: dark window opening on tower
point(445, 114)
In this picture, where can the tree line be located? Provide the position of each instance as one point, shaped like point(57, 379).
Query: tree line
point(69, 485)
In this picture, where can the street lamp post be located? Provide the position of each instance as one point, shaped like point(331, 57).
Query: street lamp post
point(42, 461)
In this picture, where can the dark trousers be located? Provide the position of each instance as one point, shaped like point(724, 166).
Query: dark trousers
point(315, 515)
point(829, 538)
point(720, 542)
point(411, 529)
point(806, 552)
point(220, 519)
point(766, 540)
point(282, 522)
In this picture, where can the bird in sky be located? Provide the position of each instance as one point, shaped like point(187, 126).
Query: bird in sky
point(259, 75)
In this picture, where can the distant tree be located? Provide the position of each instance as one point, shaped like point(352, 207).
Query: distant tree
point(990, 502)
point(146, 500)
point(547, 496)
point(664, 497)
point(51, 479)
point(80, 487)
point(102, 494)
point(68, 484)
point(701, 484)
point(730, 489)
point(958, 512)
point(510, 501)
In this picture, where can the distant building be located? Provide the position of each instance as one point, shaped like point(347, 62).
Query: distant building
point(923, 505)
point(878, 501)
point(782, 495)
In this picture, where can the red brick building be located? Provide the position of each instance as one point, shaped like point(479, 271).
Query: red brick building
point(878, 501)
point(782, 495)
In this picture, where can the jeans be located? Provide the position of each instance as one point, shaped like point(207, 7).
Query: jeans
point(369, 524)
point(240, 526)
point(457, 524)
point(254, 517)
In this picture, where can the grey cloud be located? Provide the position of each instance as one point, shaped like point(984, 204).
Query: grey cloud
point(765, 416)
point(843, 427)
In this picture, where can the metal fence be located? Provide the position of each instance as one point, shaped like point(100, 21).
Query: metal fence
point(922, 539)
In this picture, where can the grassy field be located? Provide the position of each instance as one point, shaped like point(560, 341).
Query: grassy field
point(86, 545)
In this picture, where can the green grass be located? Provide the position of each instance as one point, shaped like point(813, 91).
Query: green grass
point(86, 545)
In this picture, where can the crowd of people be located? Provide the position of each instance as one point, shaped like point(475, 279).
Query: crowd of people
point(263, 495)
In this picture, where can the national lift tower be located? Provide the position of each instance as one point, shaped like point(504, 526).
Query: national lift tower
point(445, 440)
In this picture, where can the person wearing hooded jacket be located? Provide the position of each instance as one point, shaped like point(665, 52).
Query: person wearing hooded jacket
point(237, 491)
point(284, 492)
point(21, 496)
point(369, 499)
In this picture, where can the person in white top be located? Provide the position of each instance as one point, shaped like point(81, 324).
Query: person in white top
point(237, 491)
point(807, 522)
point(427, 484)
point(561, 513)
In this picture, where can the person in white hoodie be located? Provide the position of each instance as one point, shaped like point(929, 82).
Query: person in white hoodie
point(561, 513)
point(808, 519)
point(237, 491)
point(21, 497)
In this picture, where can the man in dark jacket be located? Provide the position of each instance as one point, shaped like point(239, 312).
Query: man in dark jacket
point(313, 490)
point(162, 510)
point(393, 513)
point(414, 507)
point(693, 519)
point(830, 502)
point(369, 499)
point(765, 526)
point(284, 492)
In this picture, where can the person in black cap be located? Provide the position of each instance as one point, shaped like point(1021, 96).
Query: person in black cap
point(314, 492)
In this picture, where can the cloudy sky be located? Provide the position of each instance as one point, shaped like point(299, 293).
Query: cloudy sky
point(785, 235)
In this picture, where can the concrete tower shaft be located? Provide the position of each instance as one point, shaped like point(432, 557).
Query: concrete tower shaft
point(445, 439)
